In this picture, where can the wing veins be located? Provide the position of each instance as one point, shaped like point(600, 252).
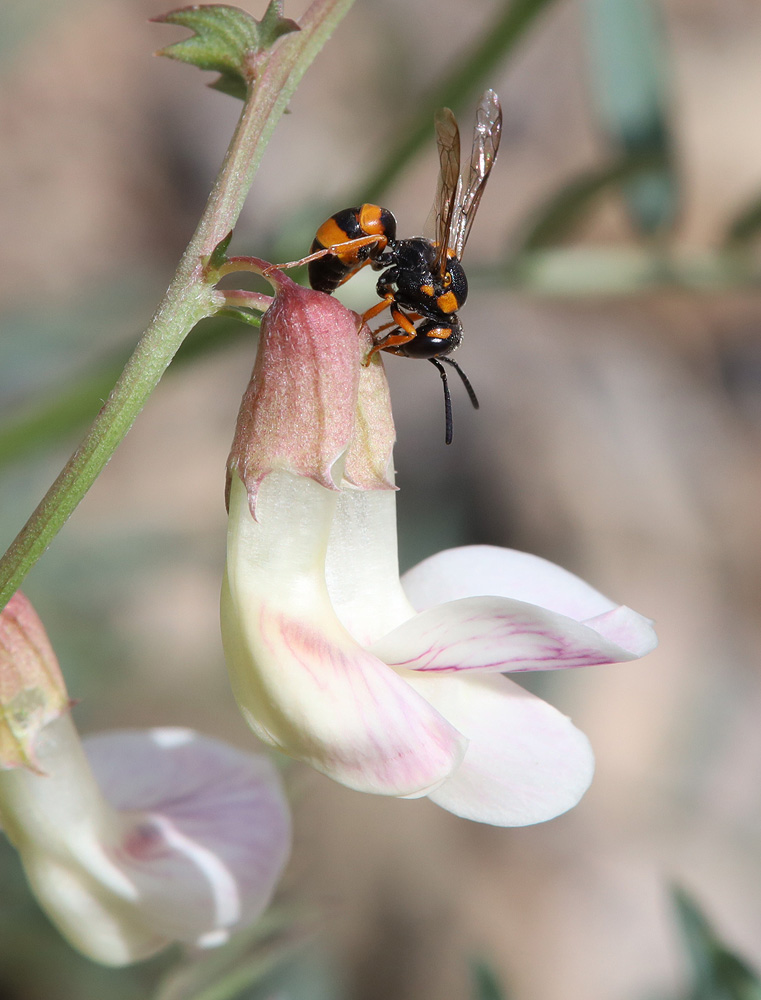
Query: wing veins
point(448, 189)
point(486, 137)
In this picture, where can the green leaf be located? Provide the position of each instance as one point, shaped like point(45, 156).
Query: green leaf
point(242, 315)
point(273, 24)
point(486, 986)
point(745, 226)
point(628, 58)
point(218, 255)
point(717, 973)
point(228, 40)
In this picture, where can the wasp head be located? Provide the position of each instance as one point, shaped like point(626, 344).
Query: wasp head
point(419, 283)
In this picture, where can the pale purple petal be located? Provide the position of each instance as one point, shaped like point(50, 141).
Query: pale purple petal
point(214, 832)
point(497, 634)
point(526, 762)
point(479, 570)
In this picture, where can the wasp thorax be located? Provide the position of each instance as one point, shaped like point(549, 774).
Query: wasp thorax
point(417, 281)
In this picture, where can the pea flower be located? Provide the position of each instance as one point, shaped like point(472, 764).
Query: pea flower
point(138, 838)
point(387, 686)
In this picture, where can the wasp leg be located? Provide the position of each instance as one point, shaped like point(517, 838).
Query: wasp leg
point(386, 301)
point(336, 249)
point(387, 326)
point(447, 400)
point(407, 332)
point(389, 343)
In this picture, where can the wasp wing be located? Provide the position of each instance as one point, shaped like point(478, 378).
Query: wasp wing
point(439, 221)
point(486, 136)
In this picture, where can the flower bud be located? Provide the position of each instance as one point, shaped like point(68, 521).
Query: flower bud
point(311, 408)
point(32, 690)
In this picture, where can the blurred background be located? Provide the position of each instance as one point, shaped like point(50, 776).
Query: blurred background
point(613, 334)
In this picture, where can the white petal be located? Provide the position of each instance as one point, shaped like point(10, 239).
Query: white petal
point(214, 834)
point(303, 683)
point(497, 634)
point(476, 570)
point(526, 762)
point(362, 567)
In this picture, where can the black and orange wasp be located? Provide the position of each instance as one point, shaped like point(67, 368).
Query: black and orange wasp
point(422, 280)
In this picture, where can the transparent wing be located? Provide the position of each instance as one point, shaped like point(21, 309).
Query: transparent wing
point(486, 136)
point(439, 221)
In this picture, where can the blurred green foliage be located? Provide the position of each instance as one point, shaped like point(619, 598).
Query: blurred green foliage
point(715, 971)
point(629, 79)
point(455, 90)
point(486, 985)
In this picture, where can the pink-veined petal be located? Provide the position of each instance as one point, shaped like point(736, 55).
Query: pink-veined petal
point(303, 683)
point(498, 634)
point(479, 570)
point(315, 694)
point(525, 763)
point(213, 831)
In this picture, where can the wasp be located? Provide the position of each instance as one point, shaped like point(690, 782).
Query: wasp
point(422, 283)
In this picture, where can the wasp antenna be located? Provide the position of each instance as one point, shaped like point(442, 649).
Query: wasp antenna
point(465, 381)
point(447, 399)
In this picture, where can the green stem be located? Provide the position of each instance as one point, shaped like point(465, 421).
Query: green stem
point(188, 299)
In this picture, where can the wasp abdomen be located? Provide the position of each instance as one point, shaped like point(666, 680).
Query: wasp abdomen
point(327, 273)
